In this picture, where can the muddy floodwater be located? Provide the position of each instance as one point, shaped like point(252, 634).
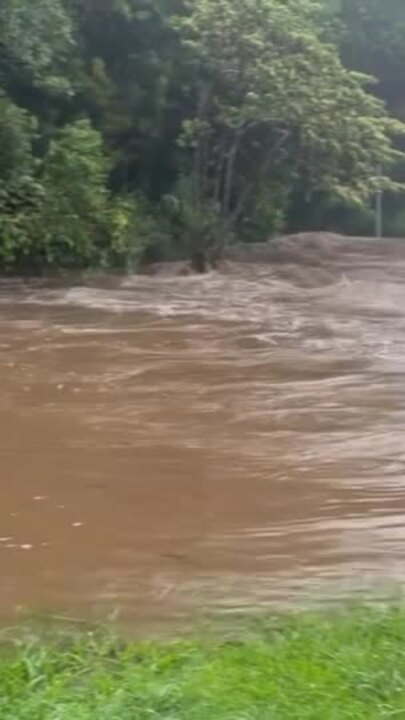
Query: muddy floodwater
point(221, 442)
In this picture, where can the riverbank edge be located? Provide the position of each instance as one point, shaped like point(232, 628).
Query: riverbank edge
point(340, 664)
point(309, 248)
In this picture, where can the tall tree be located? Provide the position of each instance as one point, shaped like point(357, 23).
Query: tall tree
point(129, 88)
point(271, 97)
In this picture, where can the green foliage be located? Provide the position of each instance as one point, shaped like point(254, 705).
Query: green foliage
point(267, 214)
point(16, 135)
point(35, 41)
point(271, 95)
point(73, 216)
point(20, 203)
point(20, 193)
point(130, 90)
point(310, 667)
point(194, 219)
point(60, 216)
point(257, 106)
point(133, 230)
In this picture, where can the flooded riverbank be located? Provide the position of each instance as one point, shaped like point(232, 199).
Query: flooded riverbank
point(223, 441)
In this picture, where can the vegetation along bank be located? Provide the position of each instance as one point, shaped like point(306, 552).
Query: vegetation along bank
point(350, 665)
point(143, 130)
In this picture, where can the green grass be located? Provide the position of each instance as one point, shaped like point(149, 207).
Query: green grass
point(308, 667)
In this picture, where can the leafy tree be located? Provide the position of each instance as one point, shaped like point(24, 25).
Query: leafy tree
point(270, 95)
point(20, 193)
point(130, 91)
point(35, 41)
point(16, 134)
point(73, 216)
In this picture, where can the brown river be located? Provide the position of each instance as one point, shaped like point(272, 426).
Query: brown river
point(215, 443)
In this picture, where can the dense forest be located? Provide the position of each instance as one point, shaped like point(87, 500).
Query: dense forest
point(134, 130)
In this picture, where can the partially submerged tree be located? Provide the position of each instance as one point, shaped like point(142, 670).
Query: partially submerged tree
point(272, 101)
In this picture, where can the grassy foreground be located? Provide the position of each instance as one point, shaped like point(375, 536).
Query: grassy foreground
point(318, 667)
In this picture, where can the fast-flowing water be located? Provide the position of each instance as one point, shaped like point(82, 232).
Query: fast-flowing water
point(223, 442)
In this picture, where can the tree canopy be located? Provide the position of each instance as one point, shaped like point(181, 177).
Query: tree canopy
point(133, 128)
